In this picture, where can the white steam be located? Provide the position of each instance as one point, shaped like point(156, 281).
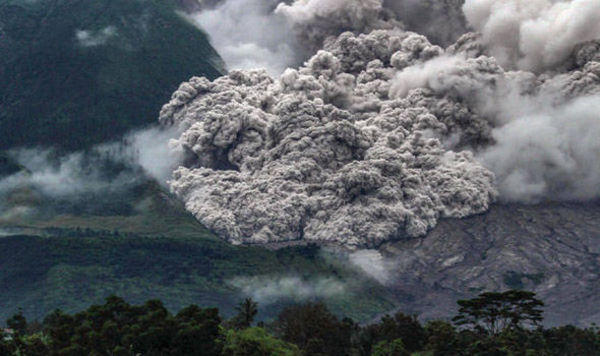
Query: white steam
point(533, 34)
point(88, 38)
point(373, 264)
point(271, 289)
point(248, 35)
point(106, 169)
point(154, 150)
point(424, 75)
point(61, 177)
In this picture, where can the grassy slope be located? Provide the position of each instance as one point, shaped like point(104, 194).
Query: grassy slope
point(56, 92)
point(158, 252)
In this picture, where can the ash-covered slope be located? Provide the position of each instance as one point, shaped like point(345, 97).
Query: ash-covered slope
point(552, 249)
point(381, 133)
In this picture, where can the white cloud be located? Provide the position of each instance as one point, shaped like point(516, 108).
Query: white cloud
point(88, 38)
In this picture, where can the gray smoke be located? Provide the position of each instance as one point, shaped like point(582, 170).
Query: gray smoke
point(316, 20)
point(552, 153)
point(441, 21)
point(324, 153)
point(545, 129)
point(381, 133)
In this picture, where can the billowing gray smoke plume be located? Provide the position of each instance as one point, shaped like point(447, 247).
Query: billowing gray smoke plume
point(275, 34)
point(381, 133)
point(441, 21)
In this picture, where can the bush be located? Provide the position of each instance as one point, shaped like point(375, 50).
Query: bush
point(256, 342)
point(387, 348)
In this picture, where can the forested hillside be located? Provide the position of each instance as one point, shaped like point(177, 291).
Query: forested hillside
point(76, 73)
point(152, 248)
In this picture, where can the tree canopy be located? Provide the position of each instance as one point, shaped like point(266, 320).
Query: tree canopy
point(490, 324)
point(494, 311)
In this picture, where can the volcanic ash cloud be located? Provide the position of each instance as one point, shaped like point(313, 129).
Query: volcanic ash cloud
point(324, 153)
point(380, 134)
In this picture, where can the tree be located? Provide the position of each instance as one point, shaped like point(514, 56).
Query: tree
point(59, 327)
point(493, 312)
point(315, 330)
point(197, 329)
point(400, 326)
point(117, 328)
point(441, 338)
point(18, 323)
point(247, 310)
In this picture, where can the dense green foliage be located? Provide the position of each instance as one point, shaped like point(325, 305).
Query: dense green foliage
point(117, 328)
point(75, 72)
point(398, 327)
point(246, 312)
point(390, 348)
point(39, 274)
point(256, 341)
point(315, 329)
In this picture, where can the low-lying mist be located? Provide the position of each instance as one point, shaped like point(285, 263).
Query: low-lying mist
point(104, 180)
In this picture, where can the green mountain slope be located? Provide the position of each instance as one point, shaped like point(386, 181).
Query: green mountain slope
point(76, 72)
point(160, 251)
